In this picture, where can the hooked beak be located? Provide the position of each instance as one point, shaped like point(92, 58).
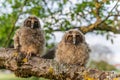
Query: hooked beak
point(74, 41)
point(32, 25)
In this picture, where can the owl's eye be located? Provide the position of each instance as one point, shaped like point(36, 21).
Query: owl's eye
point(79, 38)
point(28, 23)
point(36, 25)
point(70, 39)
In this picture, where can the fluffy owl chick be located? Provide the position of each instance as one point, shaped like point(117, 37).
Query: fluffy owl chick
point(29, 39)
point(72, 49)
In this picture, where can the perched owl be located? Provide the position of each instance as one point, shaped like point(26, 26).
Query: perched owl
point(29, 39)
point(72, 49)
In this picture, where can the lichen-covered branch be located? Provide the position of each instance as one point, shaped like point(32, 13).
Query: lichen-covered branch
point(50, 69)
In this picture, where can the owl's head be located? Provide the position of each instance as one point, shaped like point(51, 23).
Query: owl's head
point(32, 22)
point(74, 37)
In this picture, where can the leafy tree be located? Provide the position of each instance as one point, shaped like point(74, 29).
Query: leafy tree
point(59, 15)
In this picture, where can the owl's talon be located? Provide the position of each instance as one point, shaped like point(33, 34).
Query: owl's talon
point(28, 56)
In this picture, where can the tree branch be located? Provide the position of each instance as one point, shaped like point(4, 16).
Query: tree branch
point(98, 21)
point(102, 27)
point(50, 69)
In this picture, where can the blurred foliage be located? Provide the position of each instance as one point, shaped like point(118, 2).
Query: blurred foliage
point(10, 76)
point(56, 15)
point(102, 65)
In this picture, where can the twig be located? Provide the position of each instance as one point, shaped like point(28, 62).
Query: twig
point(97, 23)
point(110, 12)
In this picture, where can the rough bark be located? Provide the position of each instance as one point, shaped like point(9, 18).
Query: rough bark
point(48, 68)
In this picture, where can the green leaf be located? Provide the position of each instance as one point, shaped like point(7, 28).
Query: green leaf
point(64, 1)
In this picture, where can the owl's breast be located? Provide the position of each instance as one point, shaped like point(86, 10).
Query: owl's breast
point(74, 54)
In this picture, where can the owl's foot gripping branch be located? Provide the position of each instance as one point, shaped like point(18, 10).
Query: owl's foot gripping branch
point(50, 69)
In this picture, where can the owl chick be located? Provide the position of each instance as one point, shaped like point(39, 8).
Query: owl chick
point(29, 39)
point(72, 49)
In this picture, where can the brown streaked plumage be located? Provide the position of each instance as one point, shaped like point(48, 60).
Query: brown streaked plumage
point(29, 39)
point(72, 49)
